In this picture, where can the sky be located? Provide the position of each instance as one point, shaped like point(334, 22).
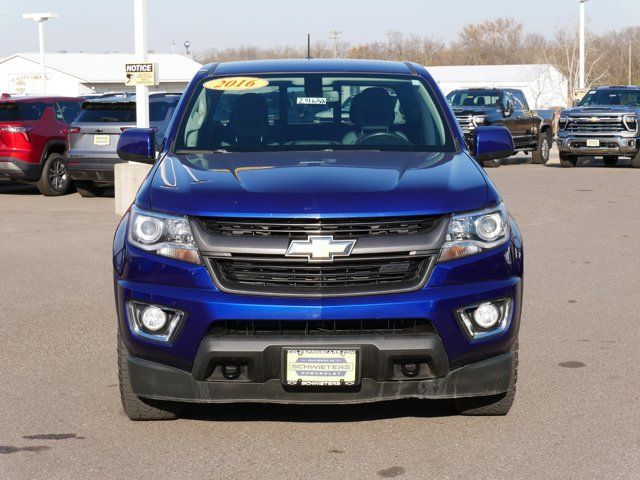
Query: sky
point(107, 25)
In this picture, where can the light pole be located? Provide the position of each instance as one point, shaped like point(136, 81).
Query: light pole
point(629, 64)
point(581, 77)
point(41, 18)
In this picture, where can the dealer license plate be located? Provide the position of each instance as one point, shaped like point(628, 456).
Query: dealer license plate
point(101, 140)
point(593, 142)
point(321, 367)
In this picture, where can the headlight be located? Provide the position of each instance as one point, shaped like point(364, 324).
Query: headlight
point(475, 232)
point(630, 122)
point(479, 120)
point(166, 235)
point(563, 121)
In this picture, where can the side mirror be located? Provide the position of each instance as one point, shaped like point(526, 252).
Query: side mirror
point(138, 145)
point(575, 102)
point(492, 143)
point(508, 109)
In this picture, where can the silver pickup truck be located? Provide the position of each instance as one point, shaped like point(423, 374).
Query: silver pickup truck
point(604, 123)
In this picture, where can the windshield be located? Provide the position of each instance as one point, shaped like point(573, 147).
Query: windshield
point(313, 112)
point(611, 97)
point(473, 98)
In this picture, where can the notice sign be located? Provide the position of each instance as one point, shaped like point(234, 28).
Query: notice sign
point(140, 74)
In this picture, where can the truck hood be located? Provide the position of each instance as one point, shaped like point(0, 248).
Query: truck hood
point(600, 110)
point(317, 184)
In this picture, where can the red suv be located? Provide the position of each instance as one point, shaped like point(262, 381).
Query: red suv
point(32, 140)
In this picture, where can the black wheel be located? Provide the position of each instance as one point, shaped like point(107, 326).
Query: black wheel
point(495, 163)
point(541, 153)
point(494, 404)
point(89, 189)
point(635, 161)
point(54, 180)
point(568, 161)
point(610, 160)
point(138, 408)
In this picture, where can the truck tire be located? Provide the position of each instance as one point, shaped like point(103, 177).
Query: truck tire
point(610, 160)
point(541, 153)
point(494, 404)
point(568, 161)
point(89, 189)
point(136, 408)
point(54, 180)
point(635, 161)
point(495, 163)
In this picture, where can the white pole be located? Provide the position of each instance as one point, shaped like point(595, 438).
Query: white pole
point(142, 91)
point(582, 79)
point(42, 64)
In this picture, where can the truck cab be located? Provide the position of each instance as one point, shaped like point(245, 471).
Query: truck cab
point(604, 123)
point(508, 107)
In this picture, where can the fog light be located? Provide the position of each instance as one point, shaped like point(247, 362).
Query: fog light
point(153, 319)
point(485, 319)
point(154, 322)
point(486, 316)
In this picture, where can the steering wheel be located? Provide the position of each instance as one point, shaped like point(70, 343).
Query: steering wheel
point(382, 138)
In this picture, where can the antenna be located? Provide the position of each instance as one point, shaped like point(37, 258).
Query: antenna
point(308, 46)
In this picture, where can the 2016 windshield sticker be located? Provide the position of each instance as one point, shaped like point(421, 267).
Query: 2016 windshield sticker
point(236, 83)
point(311, 101)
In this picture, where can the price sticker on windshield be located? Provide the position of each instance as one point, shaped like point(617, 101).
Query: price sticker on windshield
point(236, 83)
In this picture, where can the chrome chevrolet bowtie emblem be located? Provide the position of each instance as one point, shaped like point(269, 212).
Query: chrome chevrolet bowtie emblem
point(320, 248)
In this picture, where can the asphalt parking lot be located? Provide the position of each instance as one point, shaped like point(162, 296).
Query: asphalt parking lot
point(577, 411)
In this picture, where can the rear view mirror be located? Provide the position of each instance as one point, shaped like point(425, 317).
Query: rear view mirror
point(138, 145)
point(492, 143)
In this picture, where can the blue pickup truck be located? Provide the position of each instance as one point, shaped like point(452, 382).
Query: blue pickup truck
point(272, 257)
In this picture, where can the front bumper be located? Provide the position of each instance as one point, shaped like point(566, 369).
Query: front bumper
point(157, 381)
point(609, 145)
point(184, 368)
point(93, 169)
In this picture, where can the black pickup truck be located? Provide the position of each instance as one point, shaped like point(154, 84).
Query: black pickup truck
point(532, 130)
point(604, 123)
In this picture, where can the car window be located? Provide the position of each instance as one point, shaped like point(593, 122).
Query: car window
point(521, 102)
point(32, 110)
point(517, 103)
point(159, 110)
point(67, 111)
point(314, 111)
point(123, 112)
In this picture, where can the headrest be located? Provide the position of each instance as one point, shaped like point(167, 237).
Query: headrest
point(248, 118)
point(373, 107)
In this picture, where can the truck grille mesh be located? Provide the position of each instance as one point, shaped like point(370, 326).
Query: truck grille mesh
point(601, 125)
point(343, 276)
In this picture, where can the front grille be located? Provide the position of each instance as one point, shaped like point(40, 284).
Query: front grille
point(301, 228)
point(465, 121)
point(392, 326)
point(601, 125)
point(357, 274)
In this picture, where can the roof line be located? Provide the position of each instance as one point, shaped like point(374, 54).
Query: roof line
point(51, 67)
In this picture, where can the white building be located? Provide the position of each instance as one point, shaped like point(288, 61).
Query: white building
point(543, 85)
point(82, 73)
